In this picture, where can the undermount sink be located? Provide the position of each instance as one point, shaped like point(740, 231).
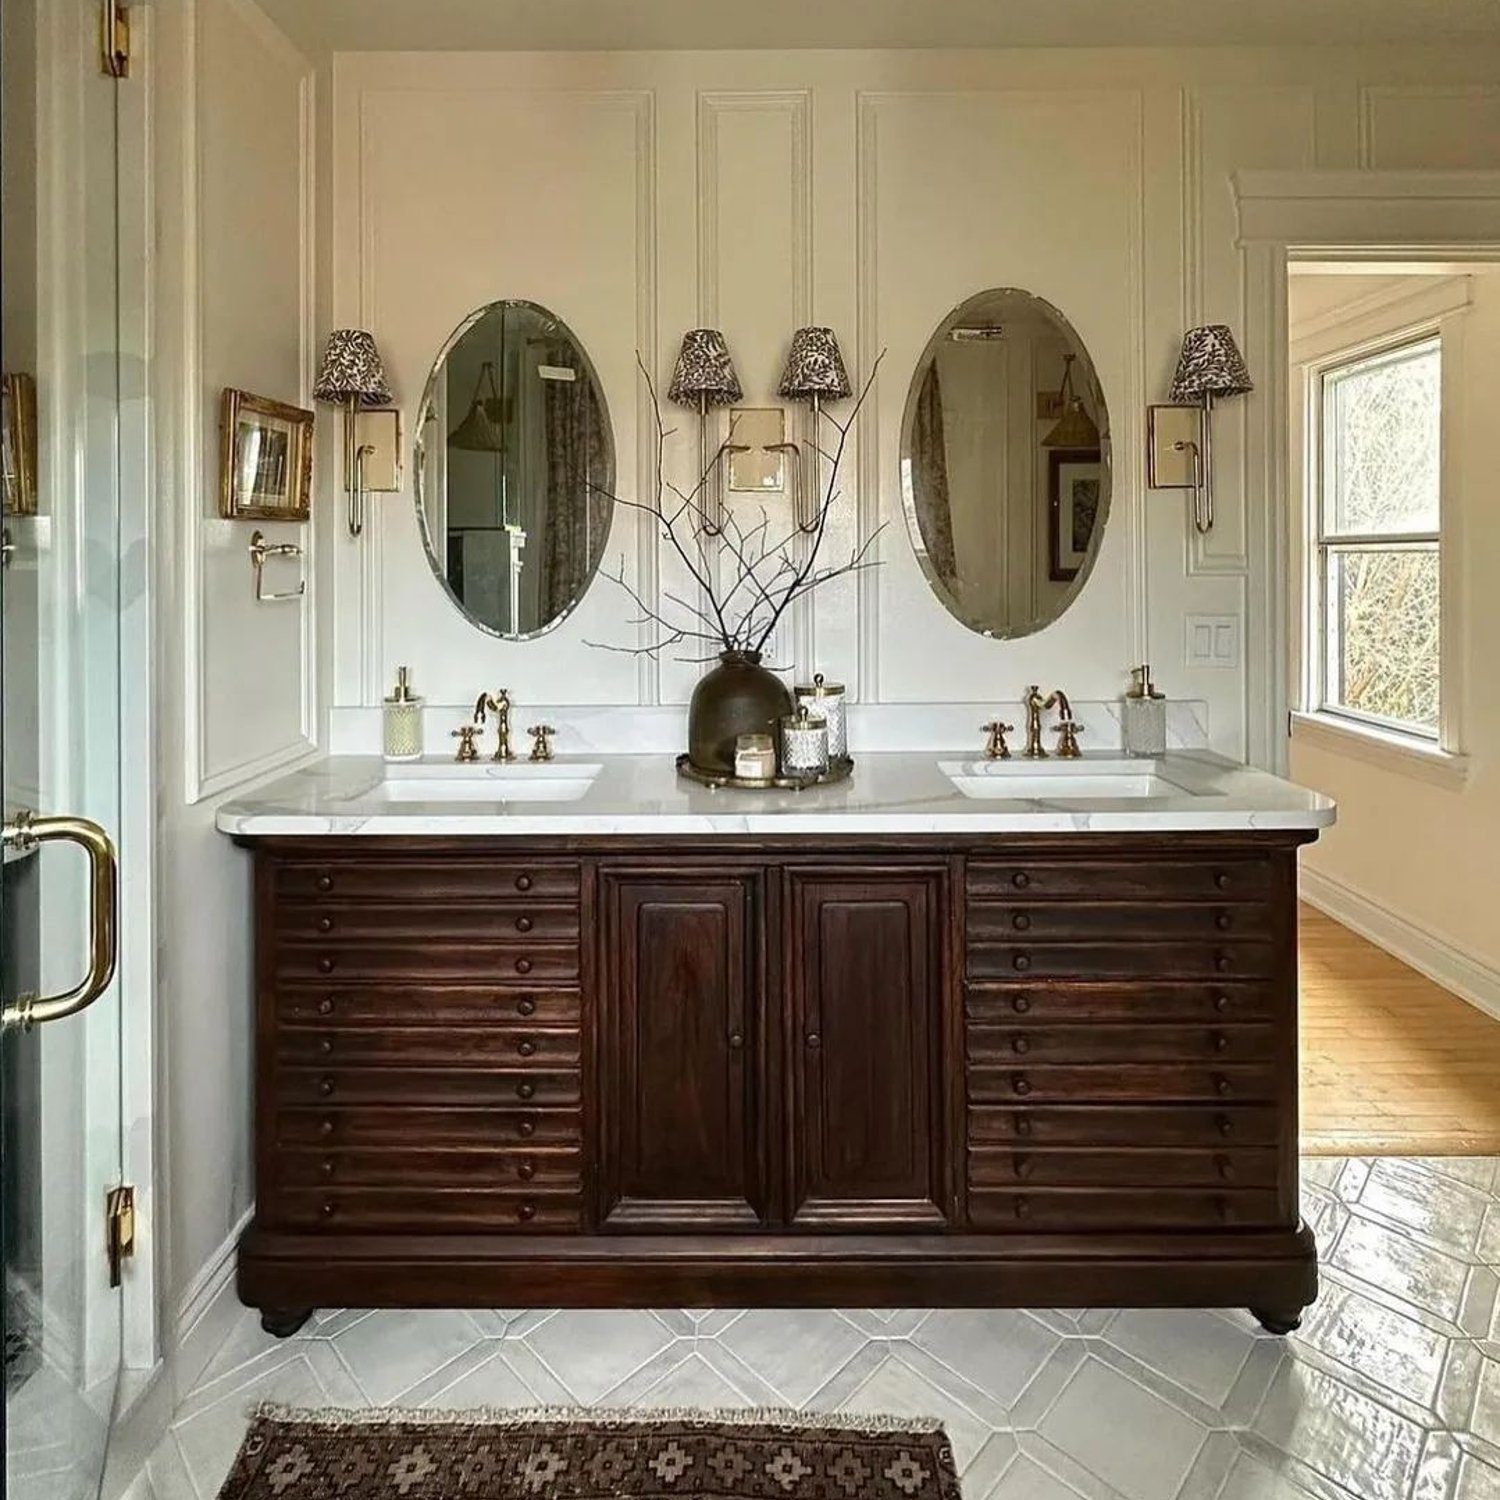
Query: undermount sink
point(542, 781)
point(1059, 780)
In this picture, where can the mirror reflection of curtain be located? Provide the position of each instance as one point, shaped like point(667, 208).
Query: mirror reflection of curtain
point(930, 478)
point(577, 514)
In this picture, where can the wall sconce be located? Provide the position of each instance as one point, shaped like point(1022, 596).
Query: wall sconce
point(705, 377)
point(814, 373)
point(1209, 366)
point(353, 376)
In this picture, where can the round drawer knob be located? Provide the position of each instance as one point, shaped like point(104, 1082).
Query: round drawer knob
point(1021, 1004)
point(326, 1045)
point(325, 924)
point(526, 1212)
point(1221, 1042)
point(326, 1166)
point(325, 1127)
point(1221, 1086)
point(1021, 961)
point(325, 1087)
point(526, 1171)
point(526, 1048)
point(329, 1208)
point(526, 1006)
point(527, 1128)
point(1226, 1168)
point(1020, 1044)
point(1021, 1084)
point(1023, 1166)
point(523, 882)
point(1021, 922)
point(1221, 962)
point(1225, 1125)
point(324, 883)
point(325, 965)
point(1023, 1208)
point(325, 1007)
point(523, 966)
point(1020, 880)
point(814, 1040)
point(525, 1090)
point(1221, 879)
point(736, 1040)
point(1223, 921)
point(1221, 1003)
point(1023, 1125)
point(524, 924)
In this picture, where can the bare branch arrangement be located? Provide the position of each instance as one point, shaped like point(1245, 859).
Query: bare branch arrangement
point(757, 575)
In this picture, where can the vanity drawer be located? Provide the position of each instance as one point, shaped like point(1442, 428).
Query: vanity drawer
point(1048, 1210)
point(433, 1167)
point(1002, 1046)
point(1161, 1001)
point(400, 1128)
point(996, 1166)
point(442, 878)
point(1164, 1083)
point(420, 1047)
point(425, 1005)
point(1165, 878)
point(1043, 921)
point(532, 963)
point(1116, 1125)
point(426, 1210)
point(1226, 960)
point(336, 924)
point(434, 1086)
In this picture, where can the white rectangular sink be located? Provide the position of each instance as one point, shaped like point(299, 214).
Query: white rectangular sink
point(1060, 780)
point(544, 781)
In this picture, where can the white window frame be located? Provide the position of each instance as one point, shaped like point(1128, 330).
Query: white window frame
point(1434, 309)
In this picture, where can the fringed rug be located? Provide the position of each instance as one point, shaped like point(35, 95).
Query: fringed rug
point(572, 1454)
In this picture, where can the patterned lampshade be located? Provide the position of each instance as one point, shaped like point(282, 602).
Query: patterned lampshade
point(814, 368)
point(352, 370)
point(1210, 365)
point(705, 373)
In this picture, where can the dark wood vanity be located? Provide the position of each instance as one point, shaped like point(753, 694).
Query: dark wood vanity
point(960, 1070)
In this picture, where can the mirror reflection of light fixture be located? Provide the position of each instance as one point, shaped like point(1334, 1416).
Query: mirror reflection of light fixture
point(1209, 366)
point(1075, 428)
point(482, 430)
point(704, 377)
point(814, 374)
point(352, 375)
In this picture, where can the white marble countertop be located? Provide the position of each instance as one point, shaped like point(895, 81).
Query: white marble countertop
point(893, 792)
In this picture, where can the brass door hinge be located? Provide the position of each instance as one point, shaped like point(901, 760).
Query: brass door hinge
point(114, 38)
point(119, 1229)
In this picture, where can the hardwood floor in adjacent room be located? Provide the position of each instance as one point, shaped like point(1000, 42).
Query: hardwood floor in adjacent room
point(1392, 1064)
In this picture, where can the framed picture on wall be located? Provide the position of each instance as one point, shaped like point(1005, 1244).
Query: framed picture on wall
point(18, 444)
point(265, 459)
point(1073, 488)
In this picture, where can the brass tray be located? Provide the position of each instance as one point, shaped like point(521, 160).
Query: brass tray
point(838, 770)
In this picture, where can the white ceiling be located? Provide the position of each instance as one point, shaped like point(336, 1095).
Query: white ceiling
point(571, 25)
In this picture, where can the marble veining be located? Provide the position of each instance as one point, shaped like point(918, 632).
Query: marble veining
point(895, 793)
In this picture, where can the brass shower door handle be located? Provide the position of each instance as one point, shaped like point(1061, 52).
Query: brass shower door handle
point(26, 832)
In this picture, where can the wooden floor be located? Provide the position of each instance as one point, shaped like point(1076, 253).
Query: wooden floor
point(1391, 1063)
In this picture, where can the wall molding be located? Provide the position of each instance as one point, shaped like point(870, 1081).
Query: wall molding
point(1371, 96)
point(1418, 947)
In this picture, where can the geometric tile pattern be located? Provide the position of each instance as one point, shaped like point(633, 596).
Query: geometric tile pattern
point(1389, 1391)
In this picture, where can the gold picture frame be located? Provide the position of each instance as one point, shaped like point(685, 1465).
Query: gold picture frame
point(18, 444)
point(265, 459)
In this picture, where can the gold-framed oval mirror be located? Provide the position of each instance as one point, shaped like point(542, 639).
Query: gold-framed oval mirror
point(1005, 463)
point(515, 469)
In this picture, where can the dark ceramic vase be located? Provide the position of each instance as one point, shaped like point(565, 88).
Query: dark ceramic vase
point(738, 697)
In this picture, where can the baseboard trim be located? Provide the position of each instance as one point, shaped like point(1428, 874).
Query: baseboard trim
point(1428, 952)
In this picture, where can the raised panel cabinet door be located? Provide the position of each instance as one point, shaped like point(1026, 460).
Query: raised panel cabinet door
point(681, 1132)
point(866, 1031)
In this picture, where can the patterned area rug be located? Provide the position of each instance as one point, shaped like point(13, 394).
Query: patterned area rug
point(565, 1454)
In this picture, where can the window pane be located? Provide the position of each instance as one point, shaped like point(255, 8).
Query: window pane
point(1381, 419)
point(1383, 634)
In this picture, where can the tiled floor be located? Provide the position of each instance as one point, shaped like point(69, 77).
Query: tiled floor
point(1390, 1391)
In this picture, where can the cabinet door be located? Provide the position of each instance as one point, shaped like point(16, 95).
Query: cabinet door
point(681, 1046)
point(866, 1044)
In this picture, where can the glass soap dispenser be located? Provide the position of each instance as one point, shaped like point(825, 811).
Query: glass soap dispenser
point(1145, 717)
point(403, 720)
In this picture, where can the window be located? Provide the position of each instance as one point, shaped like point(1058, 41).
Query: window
point(1377, 517)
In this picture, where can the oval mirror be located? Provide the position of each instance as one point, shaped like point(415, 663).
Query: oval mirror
point(515, 468)
point(1005, 463)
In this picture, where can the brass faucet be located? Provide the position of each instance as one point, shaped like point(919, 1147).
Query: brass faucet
point(541, 741)
point(467, 751)
point(1034, 704)
point(498, 704)
point(995, 747)
point(1067, 727)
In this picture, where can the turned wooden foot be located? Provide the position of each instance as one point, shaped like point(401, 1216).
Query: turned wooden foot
point(1277, 1320)
point(283, 1322)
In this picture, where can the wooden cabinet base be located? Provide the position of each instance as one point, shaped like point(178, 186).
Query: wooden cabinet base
point(1274, 1273)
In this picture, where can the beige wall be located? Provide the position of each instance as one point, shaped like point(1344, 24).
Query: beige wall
point(1415, 858)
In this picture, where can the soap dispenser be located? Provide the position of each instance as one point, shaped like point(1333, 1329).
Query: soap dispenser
point(1145, 715)
point(403, 720)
